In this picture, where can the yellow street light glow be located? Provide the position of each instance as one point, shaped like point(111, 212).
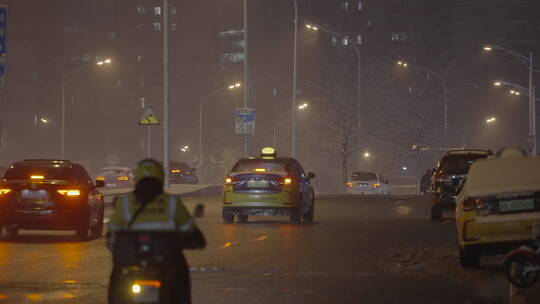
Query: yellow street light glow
point(237, 85)
point(367, 154)
point(303, 106)
point(400, 62)
point(107, 60)
point(136, 288)
point(405, 64)
point(231, 87)
point(497, 83)
point(491, 120)
point(487, 48)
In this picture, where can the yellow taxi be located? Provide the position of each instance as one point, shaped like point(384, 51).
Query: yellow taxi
point(497, 205)
point(268, 185)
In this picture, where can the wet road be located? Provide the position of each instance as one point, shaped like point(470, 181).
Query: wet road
point(359, 250)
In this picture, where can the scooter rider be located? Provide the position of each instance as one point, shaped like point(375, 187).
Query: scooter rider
point(149, 208)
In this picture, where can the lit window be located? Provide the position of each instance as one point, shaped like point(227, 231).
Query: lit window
point(111, 35)
point(345, 41)
point(157, 10)
point(141, 9)
point(141, 25)
point(359, 39)
point(139, 59)
point(173, 10)
point(395, 37)
point(334, 40)
point(360, 5)
point(346, 6)
point(157, 26)
point(173, 26)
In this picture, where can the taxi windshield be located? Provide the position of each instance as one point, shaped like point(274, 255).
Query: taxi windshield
point(258, 165)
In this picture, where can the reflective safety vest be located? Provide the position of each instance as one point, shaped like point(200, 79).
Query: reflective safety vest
point(164, 213)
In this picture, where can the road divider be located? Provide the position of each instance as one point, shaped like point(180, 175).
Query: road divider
point(180, 190)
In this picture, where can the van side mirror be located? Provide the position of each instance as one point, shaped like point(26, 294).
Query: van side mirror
point(100, 184)
point(311, 175)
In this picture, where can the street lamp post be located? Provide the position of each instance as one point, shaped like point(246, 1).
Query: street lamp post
point(65, 80)
point(314, 27)
point(528, 63)
point(532, 108)
point(295, 76)
point(445, 95)
point(203, 101)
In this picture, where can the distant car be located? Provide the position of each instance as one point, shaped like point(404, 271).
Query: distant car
point(268, 186)
point(367, 183)
point(51, 195)
point(181, 173)
point(452, 169)
point(497, 205)
point(116, 176)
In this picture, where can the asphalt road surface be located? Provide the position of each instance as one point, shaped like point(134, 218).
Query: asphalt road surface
point(359, 250)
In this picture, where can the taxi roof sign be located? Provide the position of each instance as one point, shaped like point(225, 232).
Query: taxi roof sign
point(268, 152)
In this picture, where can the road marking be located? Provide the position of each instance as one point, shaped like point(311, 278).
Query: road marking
point(399, 202)
point(229, 244)
point(261, 238)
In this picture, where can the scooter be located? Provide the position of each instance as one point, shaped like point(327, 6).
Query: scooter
point(148, 266)
point(522, 265)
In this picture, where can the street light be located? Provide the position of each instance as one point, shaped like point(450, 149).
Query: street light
point(184, 148)
point(528, 63)
point(65, 79)
point(303, 106)
point(203, 101)
point(445, 94)
point(474, 127)
point(348, 41)
point(518, 90)
point(367, 155)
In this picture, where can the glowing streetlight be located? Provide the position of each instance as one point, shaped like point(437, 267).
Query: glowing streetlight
point(184, 148)
point(487, 48)
point(514, 92)
point(491, 120)
point(303, 106)
point(312, 27)
point(367, 155)
point(234, 86)
point(497, 83)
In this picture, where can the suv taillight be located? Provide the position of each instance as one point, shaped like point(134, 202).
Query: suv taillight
point(470, 204)
point(442, 178)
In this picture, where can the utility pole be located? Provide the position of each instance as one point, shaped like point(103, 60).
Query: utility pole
point(246, 75)
point(166, 91)
point(295, 76)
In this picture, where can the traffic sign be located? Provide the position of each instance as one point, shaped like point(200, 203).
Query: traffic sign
point(149, 117)
point(245, 121)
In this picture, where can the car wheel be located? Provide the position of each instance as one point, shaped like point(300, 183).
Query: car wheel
point(242, 218)
point(436, 213)
point(96, 231)
point(308, 216)
point(295, 216)
point(83, 227)
point(228, 217)
point(12, 232)
point(468, 258)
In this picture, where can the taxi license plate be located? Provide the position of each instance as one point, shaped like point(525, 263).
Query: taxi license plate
point(516, 205)
point(257, 184)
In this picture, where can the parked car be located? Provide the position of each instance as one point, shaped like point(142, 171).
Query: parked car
point(268, 186)
point(367, 183)
point(50, 195)
point(116, 176)
point(452, 169)
point(498, 205)
point(181, 173)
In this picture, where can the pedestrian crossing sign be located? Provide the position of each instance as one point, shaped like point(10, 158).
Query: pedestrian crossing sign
point(148, 117)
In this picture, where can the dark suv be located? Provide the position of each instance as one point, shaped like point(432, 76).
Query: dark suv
point(181, 173)
point(50, 195)
point(452, 169)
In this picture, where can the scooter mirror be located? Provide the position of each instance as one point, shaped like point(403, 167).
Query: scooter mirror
point(199, 211)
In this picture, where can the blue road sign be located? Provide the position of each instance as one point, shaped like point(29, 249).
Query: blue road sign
point(245, 121)
point(3, 30)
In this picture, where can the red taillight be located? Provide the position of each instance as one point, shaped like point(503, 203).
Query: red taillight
point(441, 178)
point(470, 204)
